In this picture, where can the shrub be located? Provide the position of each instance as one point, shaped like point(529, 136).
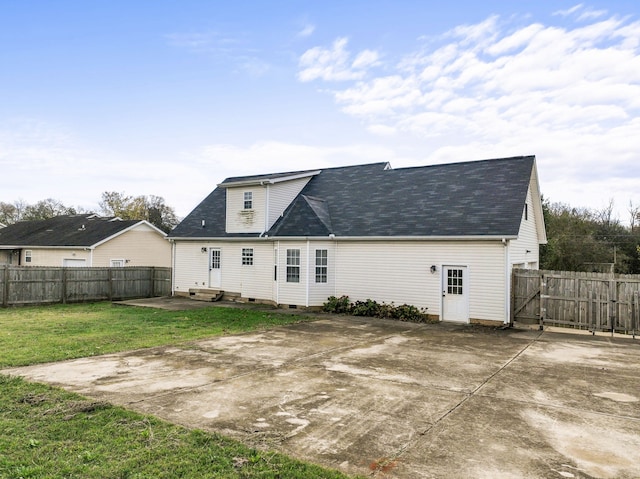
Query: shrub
point(335, 305)
point(371, 308)
point(365, 308)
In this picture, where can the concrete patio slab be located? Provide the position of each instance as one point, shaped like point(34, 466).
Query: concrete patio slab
point(392, 399)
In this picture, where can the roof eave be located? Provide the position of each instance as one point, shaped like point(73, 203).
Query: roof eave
point(350, 238)
point(268, 181)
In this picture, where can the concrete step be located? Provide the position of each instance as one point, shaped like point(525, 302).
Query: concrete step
point(206, 294)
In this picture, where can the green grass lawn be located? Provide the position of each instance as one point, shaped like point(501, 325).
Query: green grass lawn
point(46, 432)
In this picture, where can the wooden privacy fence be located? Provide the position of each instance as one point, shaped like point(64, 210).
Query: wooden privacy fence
point(20, 285)
point(590, 301)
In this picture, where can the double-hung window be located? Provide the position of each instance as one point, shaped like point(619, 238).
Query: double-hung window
point(248, 200)
point(321, 266)
point(293, 266)
point(247, 256)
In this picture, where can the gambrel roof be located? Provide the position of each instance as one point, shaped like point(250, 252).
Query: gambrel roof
point(86, 230)
point(470, 199)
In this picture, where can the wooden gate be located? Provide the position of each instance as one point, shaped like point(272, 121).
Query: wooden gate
point(590, 301)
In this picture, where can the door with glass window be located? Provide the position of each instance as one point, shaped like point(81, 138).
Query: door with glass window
point(455, 294)
point(215, 263)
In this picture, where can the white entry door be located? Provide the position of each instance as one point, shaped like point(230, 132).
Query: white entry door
point(455, 294)
point(215, 261)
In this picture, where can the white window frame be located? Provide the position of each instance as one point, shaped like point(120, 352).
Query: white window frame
point(293, 265)
point(322, 265)
point(248, 200)
point(113, 263)
point(28, 255)
point(247, 256)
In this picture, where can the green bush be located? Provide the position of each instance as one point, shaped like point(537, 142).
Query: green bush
point(373, 309)
point(365, 308)
point(335, 305)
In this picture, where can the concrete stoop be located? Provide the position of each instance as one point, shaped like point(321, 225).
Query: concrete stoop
point(205, 294)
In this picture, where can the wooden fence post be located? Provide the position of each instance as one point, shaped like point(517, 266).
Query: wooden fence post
point(5, 286)
point(635, 312)
point(110, 279)
point(64, 286)
point(543, 300)
point(594, 311)
point(152, 281)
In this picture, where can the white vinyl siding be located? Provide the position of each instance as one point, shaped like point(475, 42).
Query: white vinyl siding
point(292, 293)
point(319, 292)
point(191, 265)
point(525, 249)
point(241, 220)
point(192, 268)
point(281, 195)
point(401, 273)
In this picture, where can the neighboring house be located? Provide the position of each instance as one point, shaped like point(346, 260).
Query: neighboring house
point(442, 237)
point(84, 240)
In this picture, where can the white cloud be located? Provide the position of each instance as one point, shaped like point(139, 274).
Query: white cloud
point(334, 64)
point(307, 30)
point(571, 95)
point(569, 11)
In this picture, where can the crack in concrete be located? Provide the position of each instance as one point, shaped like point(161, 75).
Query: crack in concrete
point(405, 447)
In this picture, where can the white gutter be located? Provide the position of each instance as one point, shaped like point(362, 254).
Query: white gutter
point(261, 181)
point(347, 238)
point(395, 238)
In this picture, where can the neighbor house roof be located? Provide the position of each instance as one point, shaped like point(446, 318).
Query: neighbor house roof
point(85, 230)
point(477, 198)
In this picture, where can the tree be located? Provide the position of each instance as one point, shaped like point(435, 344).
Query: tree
point(9, 213)
point(48, 208)
point(579, 237)
point(151, 208)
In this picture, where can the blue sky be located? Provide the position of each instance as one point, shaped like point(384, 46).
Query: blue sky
point(168, 98)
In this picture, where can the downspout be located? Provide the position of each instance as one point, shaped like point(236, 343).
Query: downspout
point(173, 267)
point(308, 279)
point(278, 274)
point(266, 212)
point(507, 277)
point(335, 264)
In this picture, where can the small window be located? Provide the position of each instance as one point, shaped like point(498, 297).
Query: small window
point(454, 281)
point(293, 266)
point(117, 263)
point(248, 200)
point(247, 256)
point(321, 265)
point(27, 256)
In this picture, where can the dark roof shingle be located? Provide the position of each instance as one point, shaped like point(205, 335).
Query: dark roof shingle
point(66, 230)
point(477, 198)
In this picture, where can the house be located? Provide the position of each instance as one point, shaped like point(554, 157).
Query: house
point(84, 240)
point(442, 237)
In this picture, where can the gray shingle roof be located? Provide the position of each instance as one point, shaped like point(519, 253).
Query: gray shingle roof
point(66, 230)
point(477, 198)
